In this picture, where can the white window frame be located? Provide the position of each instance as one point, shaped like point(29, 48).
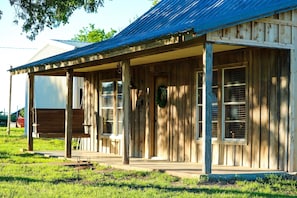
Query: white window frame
point(221, 106)
point(200, 106)
point(234, 103)
point(116, 119)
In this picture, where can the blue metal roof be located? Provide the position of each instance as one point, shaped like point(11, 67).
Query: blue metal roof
point(174, 16)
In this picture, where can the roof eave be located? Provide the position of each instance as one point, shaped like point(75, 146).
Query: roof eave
point(114, 54)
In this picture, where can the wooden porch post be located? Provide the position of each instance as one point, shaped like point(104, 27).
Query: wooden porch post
point(68, 113)
point(292, 160)
point(207, 108)
point(127, 109)
point(9, 104)
point(30, 111)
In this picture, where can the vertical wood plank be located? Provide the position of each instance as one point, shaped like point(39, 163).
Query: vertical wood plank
point(188, 112)
point(195, 64)
point(181, 113)
point(292, 161)
point(127, 109)
point(256, 111)
point(258, 31)
point(30, 111)
point(96, 113)
point(207, 106)
point(147, 115)
point(68, 114)
point(134, 116)
point(284, 109)
point(141, 108)
point(175, 136)
point(264, 112)
point(273, 116)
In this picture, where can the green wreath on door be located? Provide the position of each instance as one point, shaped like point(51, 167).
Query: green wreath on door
point(161, 97)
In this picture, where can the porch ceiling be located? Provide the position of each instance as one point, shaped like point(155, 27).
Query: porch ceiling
point(165, 56)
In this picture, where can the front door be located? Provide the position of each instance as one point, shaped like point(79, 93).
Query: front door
point(160, 134)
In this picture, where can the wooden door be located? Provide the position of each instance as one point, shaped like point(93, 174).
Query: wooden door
point(160, 134)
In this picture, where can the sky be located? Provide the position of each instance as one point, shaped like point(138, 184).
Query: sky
point(16, 49)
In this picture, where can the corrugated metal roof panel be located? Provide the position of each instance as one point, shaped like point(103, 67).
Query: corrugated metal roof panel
point(174, 16)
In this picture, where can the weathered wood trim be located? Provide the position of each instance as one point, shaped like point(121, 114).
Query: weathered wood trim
point(207, 106)
point(292, 144)
point(277, 22)
point(252, 43)
point(127, 109)
point(68, 113)
point(30, 111)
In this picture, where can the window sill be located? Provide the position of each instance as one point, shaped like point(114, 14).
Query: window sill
point(110, 136)
point(239, 142)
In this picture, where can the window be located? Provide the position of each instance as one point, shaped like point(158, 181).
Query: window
point(111, 108)
point(214, 103)
point(232, 108)
point(234, 103)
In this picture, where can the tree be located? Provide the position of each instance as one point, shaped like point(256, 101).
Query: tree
point(38, 14)
point(91, 34)
point(155, 2)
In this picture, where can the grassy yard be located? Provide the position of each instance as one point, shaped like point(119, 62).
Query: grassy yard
point(28, 175)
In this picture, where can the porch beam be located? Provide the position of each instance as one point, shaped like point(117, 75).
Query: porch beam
point(207, 108)
point(30, 111)
point(127, 109)
point(292, 153)
point(68, 113)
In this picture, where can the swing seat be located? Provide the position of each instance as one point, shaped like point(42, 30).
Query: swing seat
point(50, 123)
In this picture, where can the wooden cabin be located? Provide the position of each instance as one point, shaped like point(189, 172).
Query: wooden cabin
point(211, 83)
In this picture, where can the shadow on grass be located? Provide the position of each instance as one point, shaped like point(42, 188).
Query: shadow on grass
point(198, 190)
point(4, 155)
point(18, 179)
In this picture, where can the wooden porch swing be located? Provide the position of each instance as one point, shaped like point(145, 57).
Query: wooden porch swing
point(50, 123)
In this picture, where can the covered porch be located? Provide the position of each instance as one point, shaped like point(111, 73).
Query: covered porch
point(178, 169)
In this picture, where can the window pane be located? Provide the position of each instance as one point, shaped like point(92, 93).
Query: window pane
point(214, 129)
point(200, 79)
point(120, 100)
point(235, 112)
point(107, 101)
point(107, 87)
point(107, 114)
point(234, 76)
point(214, 102)
point(234, 93)
point(107, 127)
point(199, 96)
point(200, 113)
point(214, 112)
point(199, 129)
point(235, 130)
point(120, 87)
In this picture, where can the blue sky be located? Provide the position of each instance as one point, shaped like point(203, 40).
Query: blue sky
point(16, 49)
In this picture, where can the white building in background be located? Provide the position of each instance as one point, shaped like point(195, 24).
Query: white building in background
point(53, 84)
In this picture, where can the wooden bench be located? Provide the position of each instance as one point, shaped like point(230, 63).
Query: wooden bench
point(50, 123)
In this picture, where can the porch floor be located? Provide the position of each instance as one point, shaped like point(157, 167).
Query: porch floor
point(179, 169)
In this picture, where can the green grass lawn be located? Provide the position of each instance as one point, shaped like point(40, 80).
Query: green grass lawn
point(28, 175)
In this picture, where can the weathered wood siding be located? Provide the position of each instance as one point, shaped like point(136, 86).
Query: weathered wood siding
point(267, 109)
point(268, 115)
point(90, 106)
point(274, 31)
